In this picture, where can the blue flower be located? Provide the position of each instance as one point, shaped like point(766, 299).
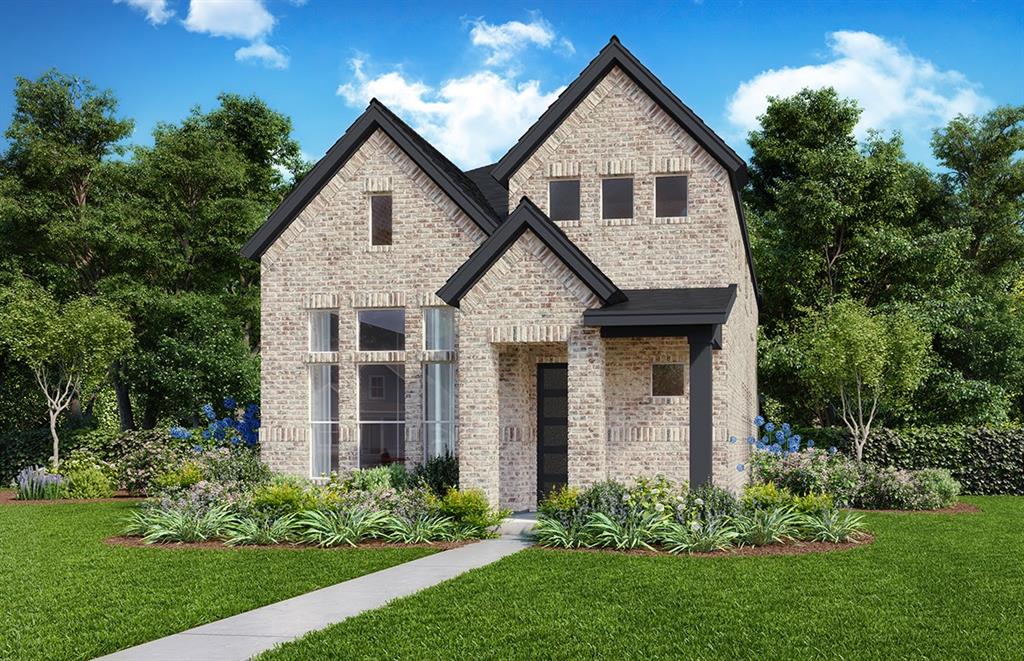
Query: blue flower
point(760, 445)
point(732, 439)
point(779, 436)
point(769, 427)
point(786, 428)
point(198, 449)
point(759, 420)
point(832, 450)
point(180, 432)
point(740, 467)
point(230, 404)
point(776, 448)
point(797, 437)
point(810, 443)
point(751, 440)
point(206, 434)
point(208, 411)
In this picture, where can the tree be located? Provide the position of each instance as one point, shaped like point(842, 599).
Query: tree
point(864, 360)
point(69, 348)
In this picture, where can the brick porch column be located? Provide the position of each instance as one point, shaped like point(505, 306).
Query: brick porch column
point(477, 387)
point(588, 437)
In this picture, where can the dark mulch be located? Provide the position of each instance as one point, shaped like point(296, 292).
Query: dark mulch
point(956, 508)
point(136, 542)
point(10, 498)
point(791, 548)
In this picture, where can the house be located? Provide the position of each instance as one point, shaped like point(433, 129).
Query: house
point(585, 308)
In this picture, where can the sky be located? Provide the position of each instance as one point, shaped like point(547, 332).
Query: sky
point(472, 77)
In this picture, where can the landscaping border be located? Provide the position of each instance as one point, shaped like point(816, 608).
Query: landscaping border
point(137, 542)
point(790, 549)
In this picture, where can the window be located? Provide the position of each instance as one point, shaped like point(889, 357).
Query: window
point(564, 199)
point(670, 197)
point(616, 198)
point(381, 420)
point(438, 329)
point(439, 409)
point(323, 418)
point(380, 220)
point(667, 379)
point(382, 330)
point(323, 331)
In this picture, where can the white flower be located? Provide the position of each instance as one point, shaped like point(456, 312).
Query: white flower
point(695, 526)
point(699, 502)
point(659, 507)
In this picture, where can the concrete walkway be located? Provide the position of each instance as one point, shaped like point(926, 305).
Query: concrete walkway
point(247, 634)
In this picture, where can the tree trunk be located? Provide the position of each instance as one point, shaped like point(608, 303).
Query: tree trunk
point(56, 441)
point(124, 402)
point(149, 416)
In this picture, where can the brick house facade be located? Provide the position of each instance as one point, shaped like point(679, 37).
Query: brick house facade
point(410, 308)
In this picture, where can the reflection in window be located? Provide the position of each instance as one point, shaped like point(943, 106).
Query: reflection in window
point(323, 330)
point(438, 329)
point(381, 419)
point(380, 220)
point(323, 418)
point(382, 330)
point(439, 409)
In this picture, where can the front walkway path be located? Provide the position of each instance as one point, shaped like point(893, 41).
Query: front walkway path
point(247, 634)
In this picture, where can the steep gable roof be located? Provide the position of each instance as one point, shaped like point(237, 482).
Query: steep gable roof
point(615, 54)
point(528, 216)
point(443, 172)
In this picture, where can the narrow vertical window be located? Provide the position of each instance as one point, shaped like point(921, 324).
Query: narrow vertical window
point(381, 419)
point(616, 198)
point(380, 220)
point(564, 199)
point(438, 329)
point(439, 409)
point(323, 330)
point(670, 197)
point(323, 418)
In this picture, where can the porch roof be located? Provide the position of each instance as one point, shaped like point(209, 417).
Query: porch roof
point(665, 307)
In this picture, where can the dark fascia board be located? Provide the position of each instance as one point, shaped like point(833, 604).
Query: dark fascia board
point(528, 216)
point(687, 331)
point(605, 317)
point(375, 116)
point(614, 53)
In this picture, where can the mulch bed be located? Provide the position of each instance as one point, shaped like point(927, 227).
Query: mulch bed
point(957, 508)
point(136, 542)
point(792, 548)
point(10, 498)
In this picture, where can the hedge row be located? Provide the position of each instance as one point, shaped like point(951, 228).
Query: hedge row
point(985, 461)
point(33, 447)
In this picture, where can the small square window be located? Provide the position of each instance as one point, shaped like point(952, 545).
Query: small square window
point(670, 197)
point(667, 380)
point(376, 387)
point(617, 198)
point(382, 330)
point(323, 330)
point(564, 197)
point(380, 220)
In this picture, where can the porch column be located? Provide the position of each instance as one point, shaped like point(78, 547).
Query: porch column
point(477, 387)
point(588, 438)
point(701, 405)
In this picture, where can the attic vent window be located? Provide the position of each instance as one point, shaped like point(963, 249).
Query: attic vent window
point(670, 197)
point(564, 198)
point(380, 220)
point(617, 198)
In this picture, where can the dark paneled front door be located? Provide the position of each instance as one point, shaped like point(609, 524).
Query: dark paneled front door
point(552, 427)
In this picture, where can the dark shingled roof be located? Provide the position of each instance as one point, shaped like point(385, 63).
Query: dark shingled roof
point(666, 307)
point(493, 191)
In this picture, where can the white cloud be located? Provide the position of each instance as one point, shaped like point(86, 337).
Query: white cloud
point(507, 40)
point(244, 19)
point(471, 119)
point(157, 12)
point(261, 52)
point(895, 88)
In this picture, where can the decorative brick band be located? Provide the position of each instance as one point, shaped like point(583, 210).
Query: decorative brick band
point(670, 220)
point(378, 356)
point(648, 434)
point(564, 169)
point(321, 301)
point(616, 166)
point(284, 434)
point(429, 299)
point(436, 356)
point(530, 333)
point(391, 299)
point(377, 185)
point(515, 434)
point(671, 164)
point(320, 357)
point(616, 222)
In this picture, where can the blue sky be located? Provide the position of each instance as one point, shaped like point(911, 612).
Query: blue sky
point(473, 76)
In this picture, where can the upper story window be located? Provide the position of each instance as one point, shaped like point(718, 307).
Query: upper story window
point(668, 379)
point(617, 198)
point(670, 196)
point(438, 329)
point(323, 330)
point(380, 220)
point(382, 330)
point(564, 199)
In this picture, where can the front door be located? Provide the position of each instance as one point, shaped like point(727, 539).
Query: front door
point(552, 427)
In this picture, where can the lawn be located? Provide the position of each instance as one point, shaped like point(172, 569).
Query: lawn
point(931, 586)
point(68, 595)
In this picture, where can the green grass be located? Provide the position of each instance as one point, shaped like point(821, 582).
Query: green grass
point(931, 586)
point(65, 594)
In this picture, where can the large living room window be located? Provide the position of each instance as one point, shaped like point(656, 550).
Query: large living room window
point(323, 330)
point(564, 199)
point(670, 197)
point(380, 220)
point(617, 198)
point(382, 330)
point(381, 419)
point(323, 418)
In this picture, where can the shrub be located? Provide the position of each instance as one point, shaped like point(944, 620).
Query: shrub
point(655, 494)
point(707, 502)
point(141, 455)
point(699, 536)
point(832, 526)
point(814, 503)
point(810, 471)
point(200, 498)
point(260, 531)
point(38, 484)
point(241, 465)
point(334, 527)
point(934, 488)
point(761, 527)
point(550, 531)
point(471, 513)
point(281, 497)
point(890, 488)
point(85, 476)
point(184, 476)
point(157, 525)
point(610, 498)
point(638, 530)
point(419, 530)
point(769, 496)
point(439, 474)
point(561, 504)
point(392, 476)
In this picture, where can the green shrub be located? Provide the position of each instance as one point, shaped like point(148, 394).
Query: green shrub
point(810, 471)
point(560, 504)
point(769, 496)
point(762, 527)
point(139, 456)
point(420, 530)
point(439, 474)
point(335, 527)
point(550, 531)
point(699, 536)
point(240, 464)
point(281, 497)
point(85, 476)
point(832, 526)
point(890, 488)
point(707, 502)
point(637, 531)
point(471, 513)
point(814, 503)
point(183, 476)
point(260, 531)
point(934, 488)
point(392, 476)
point(156, 525)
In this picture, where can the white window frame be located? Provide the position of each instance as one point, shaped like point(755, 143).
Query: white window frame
point(450, 413)
point(600, 208)
point(335, 423)
point(360, 422)
point(650, 376)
